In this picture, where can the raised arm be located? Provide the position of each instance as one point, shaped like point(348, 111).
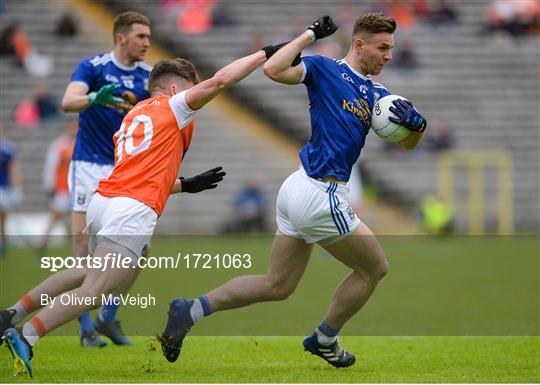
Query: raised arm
point(279, 67)
point(232, 73)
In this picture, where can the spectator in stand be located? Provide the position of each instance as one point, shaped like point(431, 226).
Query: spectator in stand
point(444, 13)
point(437, 215)
point(405, 57)
point(55, 180)
point(442, 138)
point(40, 106)
point(422, 8)
point(66, 26)
point(45, 102)
point(517, 18)
point(15, 42)
point(401, 11)
point(221, 15)
point(27, 114)
point(195, 16)
point(250, 209)
point(11, 194)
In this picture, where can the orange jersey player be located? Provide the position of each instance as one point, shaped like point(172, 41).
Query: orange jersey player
point(55, 181)
point(122, 214)
point(55, 171)
point(150, 146)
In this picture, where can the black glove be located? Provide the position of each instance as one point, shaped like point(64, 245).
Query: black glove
point(269, 50)
point(206, 181)
point(407, 115)
point(322, 27)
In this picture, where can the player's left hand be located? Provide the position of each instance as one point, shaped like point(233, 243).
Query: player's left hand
point(407, 115)
point(206, 181)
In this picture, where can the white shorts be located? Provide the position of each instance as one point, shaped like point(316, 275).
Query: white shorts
point(61, 203)
point(313, 210)
point(124, 221)
point(83, 179)
point(10, 198)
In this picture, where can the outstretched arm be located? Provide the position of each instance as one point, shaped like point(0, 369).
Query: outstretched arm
point(278, 67)
point(232, 73)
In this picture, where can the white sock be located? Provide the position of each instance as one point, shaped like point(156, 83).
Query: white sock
point(323, 339)
point(20, 312)
point(30, 333)
point(196, 310)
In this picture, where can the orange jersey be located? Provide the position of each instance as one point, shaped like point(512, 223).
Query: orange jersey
point(55, 173)
point(149, 147)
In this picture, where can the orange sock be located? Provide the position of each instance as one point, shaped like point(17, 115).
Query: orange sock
point(22, 308)
point(28, 303)
point(38, 325)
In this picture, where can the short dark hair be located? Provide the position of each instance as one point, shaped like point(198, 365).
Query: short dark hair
point(374, 23)
point(174, 67)
point(124, 21)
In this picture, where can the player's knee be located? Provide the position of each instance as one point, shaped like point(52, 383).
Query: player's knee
point(90, 291)
point(96, 288)
point(375, 271)
point(279, 291)
point(383, 268)
point(380, 266)
point(280, 294)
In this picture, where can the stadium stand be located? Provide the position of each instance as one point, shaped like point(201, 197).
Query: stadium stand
point(220, 140)
point(487, 87)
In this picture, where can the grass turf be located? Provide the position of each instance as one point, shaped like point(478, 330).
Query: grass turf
point(437, 286)
point(281, 360)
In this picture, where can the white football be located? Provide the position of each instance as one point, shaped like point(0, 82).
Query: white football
point(384, 128)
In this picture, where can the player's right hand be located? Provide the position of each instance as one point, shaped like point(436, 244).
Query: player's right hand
point(105, 95)
point(323, 27)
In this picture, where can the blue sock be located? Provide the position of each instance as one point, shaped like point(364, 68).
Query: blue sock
point(327, 330)
point(205, 305)
point(85, 322)
point(326, 335)
point(108, 312)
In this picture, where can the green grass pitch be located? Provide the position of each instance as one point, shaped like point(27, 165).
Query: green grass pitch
point(460, 309)
point(281, 360)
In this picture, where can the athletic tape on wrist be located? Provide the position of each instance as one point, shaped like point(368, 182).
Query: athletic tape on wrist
point(311, 34)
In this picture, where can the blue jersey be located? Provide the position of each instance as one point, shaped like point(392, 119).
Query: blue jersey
point(7, 154)
point(340, 105)
point(98, 123)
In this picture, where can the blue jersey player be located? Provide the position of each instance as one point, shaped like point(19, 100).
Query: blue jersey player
point(11, 194)
point(311, 204)
point(102, 89)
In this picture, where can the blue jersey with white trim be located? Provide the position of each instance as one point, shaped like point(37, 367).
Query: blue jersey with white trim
point(98, 123)
point(340, 105)
point(7, 154)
